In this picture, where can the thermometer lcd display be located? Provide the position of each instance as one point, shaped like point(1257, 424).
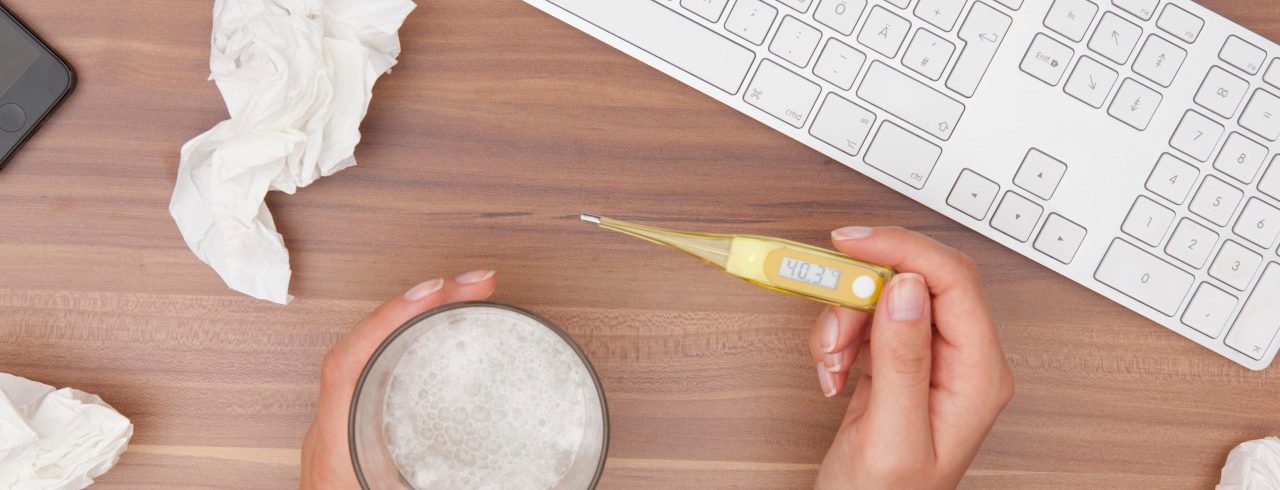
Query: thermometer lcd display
point(810, 273)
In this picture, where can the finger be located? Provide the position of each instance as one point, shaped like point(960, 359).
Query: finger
point(901, 343)
point(835, 330)
point(840, 362)
point(472, 286)
point(830, 383)
point(953, 280)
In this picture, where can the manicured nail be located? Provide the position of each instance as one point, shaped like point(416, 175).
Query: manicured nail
point(833, 361)
point(907, 297)
point(830, 330)
point(852, 233)
point(827, 381)
point(474, 277)
point(423, 290)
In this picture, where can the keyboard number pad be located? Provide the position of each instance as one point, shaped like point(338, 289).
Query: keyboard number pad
point(1241, 158)
point(1172, 178)
point(1216, 201)
point(1191, 243)
point(1209, 310)
point(1235, 265)
point(1259, 223)
point(1148, 221)
point(1197, 136)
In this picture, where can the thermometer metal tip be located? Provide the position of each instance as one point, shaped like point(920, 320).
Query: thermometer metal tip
point(590, 218)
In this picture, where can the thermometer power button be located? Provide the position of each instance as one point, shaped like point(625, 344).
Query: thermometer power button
point(864, 287)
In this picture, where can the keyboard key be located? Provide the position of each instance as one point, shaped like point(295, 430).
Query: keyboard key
point(1181, 24)
point(1209, 310)
point(973, 194)
point(1091, 82)
point(1216, 201)
point(1221, 92)
point(664, 33)
point(1191, 243)
point(1047, 59)
point(1134, 104)
point(1071, 18)
point(842, 124)
point(884, 32)
point(707, 9)
point(1172, 178)
point(1243, 55)
point(751, 20)
point(839, 64)
point(782, 94)
point(1241, 158)
point(903, 155)
point(941, 13)
point(1262, 115)
point(1272, 76)
point(1148, 221)
point(1144, 277)
point(1259, 223)
point(1012, 4)
point(1040, 174)
point(1016, 216)
point(1159, 60)
point(1142, 9)
point(905, 97)
point(983, 31)
point(840, 15)
point(795, 41)
point(1115, 38)
point(801, 6)
point(1270, 183)
point(1259, 321)
point(899, 3)
point(1235, 265)
point(928, 54)
point(1196, 136)
point(1060, 238)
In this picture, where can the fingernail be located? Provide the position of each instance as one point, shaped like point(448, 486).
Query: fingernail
point(474, 277)
point(907, 297)
point(852, 233)
point(827, 381)
point(833, 361)
point(830, 330)
point(423, 290)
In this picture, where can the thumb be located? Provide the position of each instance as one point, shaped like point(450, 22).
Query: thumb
point(901, 357)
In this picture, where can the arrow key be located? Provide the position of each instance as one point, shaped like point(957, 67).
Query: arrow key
point(1040, 174)
point(1016, 216)
point(1091, 82)
point(973, 194)
point(1060, 238)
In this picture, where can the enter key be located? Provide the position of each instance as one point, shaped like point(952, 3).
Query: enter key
point(1256, 327)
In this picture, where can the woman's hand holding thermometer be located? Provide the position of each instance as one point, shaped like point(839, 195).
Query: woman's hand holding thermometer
point(933, 377)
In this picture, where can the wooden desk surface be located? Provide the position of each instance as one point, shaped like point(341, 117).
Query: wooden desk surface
point(498, 127)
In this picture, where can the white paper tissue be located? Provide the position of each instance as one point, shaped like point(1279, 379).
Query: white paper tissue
point(1254, 465)
point(297, 77)
point(56, 439)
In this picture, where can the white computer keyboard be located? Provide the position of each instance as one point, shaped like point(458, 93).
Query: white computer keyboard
point(1125, 144)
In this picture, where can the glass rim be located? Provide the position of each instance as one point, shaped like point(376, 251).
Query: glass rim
point(406, 326)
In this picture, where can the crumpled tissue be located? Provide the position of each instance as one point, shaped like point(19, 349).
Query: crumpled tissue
point(1254, 465)
point(56, 439)
point(297, 77)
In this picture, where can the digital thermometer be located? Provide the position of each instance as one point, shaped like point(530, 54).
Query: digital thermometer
point(781, 265)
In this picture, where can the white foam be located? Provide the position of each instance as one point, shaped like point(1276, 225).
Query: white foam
point(486, 399)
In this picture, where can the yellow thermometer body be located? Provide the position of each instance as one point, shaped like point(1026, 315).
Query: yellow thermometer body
point(781, 265)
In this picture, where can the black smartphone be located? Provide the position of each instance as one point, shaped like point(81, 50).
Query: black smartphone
point(33, 81)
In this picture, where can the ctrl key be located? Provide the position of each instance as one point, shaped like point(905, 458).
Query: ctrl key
point(1259, 322)
point(1144, 277)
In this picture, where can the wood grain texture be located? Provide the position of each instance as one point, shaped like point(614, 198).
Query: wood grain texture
point(497, 128)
